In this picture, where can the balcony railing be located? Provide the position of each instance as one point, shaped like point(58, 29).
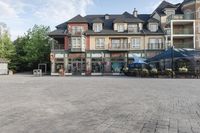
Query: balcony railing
point(77, 49)
point(183, 31)
point(76, 33)
point(180, 17)
point(184, 45)
point(57, 47)
point(119, 46)
point(155, 46)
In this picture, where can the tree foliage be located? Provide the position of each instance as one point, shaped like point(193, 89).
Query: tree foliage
point(32, 48)
point(7, 49)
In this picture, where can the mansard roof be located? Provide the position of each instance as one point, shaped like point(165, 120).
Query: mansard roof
point(162, 6)
point(77, 19)
point(108, 23)
point(187, 1)
point(97, 20)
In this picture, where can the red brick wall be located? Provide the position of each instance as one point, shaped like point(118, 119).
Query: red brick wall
point(84, 25)
point(87, 47)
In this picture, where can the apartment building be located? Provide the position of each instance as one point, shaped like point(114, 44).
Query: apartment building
point(104, 44)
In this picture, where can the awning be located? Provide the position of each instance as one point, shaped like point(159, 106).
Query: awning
point(175, 53)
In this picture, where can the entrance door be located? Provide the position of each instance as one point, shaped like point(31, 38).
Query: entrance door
point(76, 66)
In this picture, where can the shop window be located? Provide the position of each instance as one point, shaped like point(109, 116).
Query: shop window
point(117, 65)
point(97, 65)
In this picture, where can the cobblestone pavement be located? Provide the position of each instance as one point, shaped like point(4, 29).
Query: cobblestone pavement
point(98, 105)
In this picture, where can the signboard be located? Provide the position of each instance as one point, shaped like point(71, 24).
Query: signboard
point(97, 55)
point(59, 55)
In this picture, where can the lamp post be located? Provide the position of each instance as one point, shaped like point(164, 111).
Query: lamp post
point(172, 60)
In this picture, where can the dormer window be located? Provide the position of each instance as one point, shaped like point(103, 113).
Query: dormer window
point(120, 27)
point(133, 28)
point(97, 27)
point(169, 12)
point(153, 27)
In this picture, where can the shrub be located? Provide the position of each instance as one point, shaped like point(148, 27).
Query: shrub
point(125, 69)
point(168, 72)
point(134, 72)
point(183, 70)
point(154, 72)
point(144, 73)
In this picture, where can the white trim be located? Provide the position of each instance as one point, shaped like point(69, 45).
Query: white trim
point(172, 32)
point(54, 74)
point(194, 39)
point(68, 74)
point(116, 74)
point(96, 74)
point(183, 35)
point(83, 74)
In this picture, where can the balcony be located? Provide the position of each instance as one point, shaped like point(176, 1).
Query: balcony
point(156, 46)
point(76, 33)
point(183, 31)
point(119, 46)
point(180, 17)
point(184, 45)
point(78, 48)
point(57, 47)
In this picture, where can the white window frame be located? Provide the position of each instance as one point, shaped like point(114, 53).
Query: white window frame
point(135, 43)
point(76, 42)
point(77, 29)
point(120, 27)
point(154, 43)
point(97, 27)
point(133, 28)
point(153, 27)
point(116, 43)
point(100, 43)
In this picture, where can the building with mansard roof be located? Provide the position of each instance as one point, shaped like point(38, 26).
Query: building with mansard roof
point(106, 43)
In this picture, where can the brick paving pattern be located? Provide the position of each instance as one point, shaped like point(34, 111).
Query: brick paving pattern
point(98, 105)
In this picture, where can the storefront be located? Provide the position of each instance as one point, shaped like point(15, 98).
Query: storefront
point(102, 63)
point(76, 64)
point(118, 62)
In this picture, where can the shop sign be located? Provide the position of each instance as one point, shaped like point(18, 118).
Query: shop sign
point(74, 56)
point(97, 55)
point(132, 55)
point(117, 55)
point(59, 55)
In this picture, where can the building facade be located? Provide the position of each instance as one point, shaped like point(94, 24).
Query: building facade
point(105, 44)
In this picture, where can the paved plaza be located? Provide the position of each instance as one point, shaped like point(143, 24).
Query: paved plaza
point(98, 105)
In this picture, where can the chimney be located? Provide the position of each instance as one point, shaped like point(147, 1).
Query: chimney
point(135, 13)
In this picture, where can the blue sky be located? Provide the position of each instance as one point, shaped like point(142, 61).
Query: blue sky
point(20, 15)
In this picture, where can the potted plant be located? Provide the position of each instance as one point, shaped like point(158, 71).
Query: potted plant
point(126, 71)
point(154, 72)
point(169, 72)
point(182, 72)
point(145, 72)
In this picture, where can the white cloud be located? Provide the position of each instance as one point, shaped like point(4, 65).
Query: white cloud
point(66, 9)
point(20, 15)
point(6, 10)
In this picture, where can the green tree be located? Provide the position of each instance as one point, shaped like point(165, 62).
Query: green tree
point(7, 49)
point(32, 48)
